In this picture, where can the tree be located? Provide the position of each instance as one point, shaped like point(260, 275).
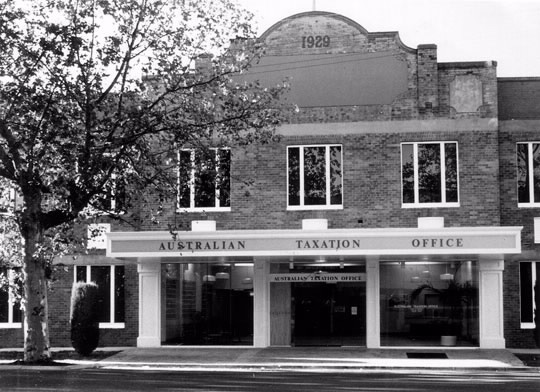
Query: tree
point(98, 95)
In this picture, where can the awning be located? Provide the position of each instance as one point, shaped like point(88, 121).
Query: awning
point(329, 242)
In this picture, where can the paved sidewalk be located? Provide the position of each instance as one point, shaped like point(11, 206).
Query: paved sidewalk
point(310, 358)
point(297, 358)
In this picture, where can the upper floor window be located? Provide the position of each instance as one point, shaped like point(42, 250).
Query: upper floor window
point(10, 311)
point(204, 179)
point(114, 198)
point(429, 174)
point(529, 275)
point(10, 200)
point(110, 281)
point(528, 181)
point(315, 177)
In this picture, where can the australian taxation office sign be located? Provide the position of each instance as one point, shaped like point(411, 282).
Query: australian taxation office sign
point(317, 277)
point(321, 242)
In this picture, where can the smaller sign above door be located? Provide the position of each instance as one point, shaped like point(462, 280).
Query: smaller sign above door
point(318, 277)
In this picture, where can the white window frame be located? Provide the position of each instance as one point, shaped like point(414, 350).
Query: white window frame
point(443, 203)
point(11, 202)
point(108, 325)
point(328, 205)
point(112, 210)
point(191, 182)
point(528, 325)
point(113, 195)
point(11, 302)
point(530, 168)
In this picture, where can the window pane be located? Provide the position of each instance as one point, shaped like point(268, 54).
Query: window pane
point(419, 303)
point(451, 172)
point(205, 180)
point(294, 176)
point(224, 178)
point(185, 179)
point(120, 195)
point(523, 173)
point(526, 292)
point(17, 313)
point(4, 306)
point(119, 294)
point(407, 172)
point(207, 304)
point(314, 175)
point(536, 170)
point(80, 273)
point(7, 201)
point(336, 193)
point(429, 173)
point(101, 276)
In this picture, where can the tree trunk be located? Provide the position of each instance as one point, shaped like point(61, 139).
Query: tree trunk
point(36, 331)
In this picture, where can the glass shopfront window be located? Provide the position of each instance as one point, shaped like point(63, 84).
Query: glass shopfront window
point(207, 304)
point(429, 303)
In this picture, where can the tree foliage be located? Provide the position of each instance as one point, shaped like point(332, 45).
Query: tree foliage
point(98, 95)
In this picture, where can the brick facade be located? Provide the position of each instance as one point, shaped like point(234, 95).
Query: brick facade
point(511, 132)
point(59, 313)
point(440, 102)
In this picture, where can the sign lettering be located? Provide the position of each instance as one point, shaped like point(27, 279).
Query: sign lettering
point(293, 243)
point(317, 41)
point(202, 245)
point(318, 277)
point(437, 243)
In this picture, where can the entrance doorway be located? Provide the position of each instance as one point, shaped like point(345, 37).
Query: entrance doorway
point(326, 314)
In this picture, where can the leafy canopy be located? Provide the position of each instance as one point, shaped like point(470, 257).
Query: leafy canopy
point(96, 93)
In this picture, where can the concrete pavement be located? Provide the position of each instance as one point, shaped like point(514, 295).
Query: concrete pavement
point(299, 358)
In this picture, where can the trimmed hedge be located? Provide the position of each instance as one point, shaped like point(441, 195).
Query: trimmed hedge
point(84, 317)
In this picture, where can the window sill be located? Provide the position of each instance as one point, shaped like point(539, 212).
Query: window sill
point(315, 207)
point(10, 325)
point(100, 214)
point(528, 205)
point(527, 326)
point(431, 205)
point(197, 209)
point(112, 325)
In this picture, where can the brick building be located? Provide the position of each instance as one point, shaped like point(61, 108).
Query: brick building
point(389, 214)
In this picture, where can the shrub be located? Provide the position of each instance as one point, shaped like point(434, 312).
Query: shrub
point(84, 317)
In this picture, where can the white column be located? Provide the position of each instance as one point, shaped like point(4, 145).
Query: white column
point(261, 303)
point(373, 311)
point(491, 304)
point(149, 303)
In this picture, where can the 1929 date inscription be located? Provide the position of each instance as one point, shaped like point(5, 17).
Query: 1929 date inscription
point(315, 41)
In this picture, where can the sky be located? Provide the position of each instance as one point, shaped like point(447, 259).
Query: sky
point(507, 31)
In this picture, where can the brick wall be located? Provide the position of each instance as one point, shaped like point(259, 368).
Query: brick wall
point(59, 309)
point(11, 338)
point(485, 72)
point(372, 184)
point(428, 78)
point(512, 132)
point(519, 98)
